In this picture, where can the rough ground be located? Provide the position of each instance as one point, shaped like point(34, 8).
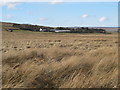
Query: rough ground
point(58, 60)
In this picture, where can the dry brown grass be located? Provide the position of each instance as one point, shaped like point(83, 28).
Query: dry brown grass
point(59, 60)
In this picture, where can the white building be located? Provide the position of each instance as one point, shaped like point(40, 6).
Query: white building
point(62, 30)
point(40, 29)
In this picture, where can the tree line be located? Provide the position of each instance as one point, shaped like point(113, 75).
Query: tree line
point(82, 30)
point(49, 29)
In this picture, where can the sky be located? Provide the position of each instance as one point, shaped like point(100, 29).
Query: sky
point(68, 14)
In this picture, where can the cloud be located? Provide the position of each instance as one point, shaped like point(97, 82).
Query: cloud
point(56, 2)
point(9, 5)
point(102, 19)
point(43, 19)
point(84, 16)
point(12, 5)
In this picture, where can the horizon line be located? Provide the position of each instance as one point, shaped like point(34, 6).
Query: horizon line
point(58, 26)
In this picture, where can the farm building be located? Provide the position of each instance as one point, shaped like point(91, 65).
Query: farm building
point(53, 30)
point(43, 30)
point(57, 31)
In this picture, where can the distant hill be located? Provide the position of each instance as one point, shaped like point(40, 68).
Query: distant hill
point(6, 26)
point(110, 29)
point(15, 26)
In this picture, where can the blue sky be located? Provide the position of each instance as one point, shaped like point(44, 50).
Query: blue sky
point(94, 14)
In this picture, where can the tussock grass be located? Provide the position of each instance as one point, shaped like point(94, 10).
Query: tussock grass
point(46, 60)
point(61, 68)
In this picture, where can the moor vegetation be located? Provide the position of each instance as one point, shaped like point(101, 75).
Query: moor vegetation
point(49, 60)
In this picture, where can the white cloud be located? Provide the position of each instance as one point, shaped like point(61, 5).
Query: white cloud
point(56, 2)
point(9, 4)
point(102, 19)
point(84, 15)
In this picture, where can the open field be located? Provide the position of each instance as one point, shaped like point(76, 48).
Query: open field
point(59, 60)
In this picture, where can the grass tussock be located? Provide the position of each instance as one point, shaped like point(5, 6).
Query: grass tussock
point(60, 68)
